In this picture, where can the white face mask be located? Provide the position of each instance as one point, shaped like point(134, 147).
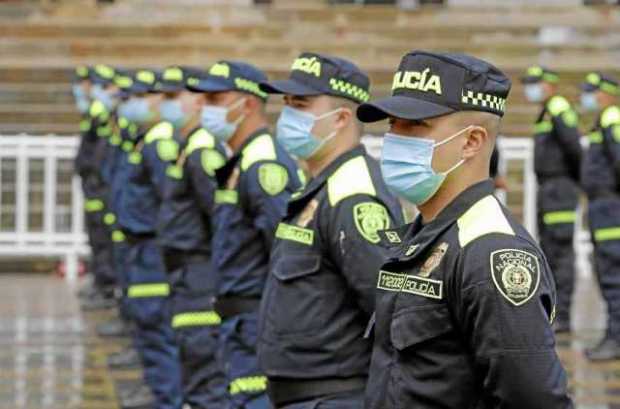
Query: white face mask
point(534, 92)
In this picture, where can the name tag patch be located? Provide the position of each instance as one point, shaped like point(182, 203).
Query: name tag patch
point(424, 287)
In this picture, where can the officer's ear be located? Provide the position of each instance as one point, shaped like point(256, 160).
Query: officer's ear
point(476, 139)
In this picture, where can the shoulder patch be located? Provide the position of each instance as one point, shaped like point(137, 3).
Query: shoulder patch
point(273, 178)
point(370, 217)
point(351, 178)
point(610, 116)
point(516, 274)
point(199, 140)
point(162, 130)
point(484, 217)
point(261, 148)
point(167, 150)
point(557, 104)
point(211, 160)
point(570, 118)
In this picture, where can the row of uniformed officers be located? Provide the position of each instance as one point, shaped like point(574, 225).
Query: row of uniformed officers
point(260, 271)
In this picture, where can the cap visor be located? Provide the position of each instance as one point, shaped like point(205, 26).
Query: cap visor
point(289, 87)
point(587, 87)
point(400, 107)
point(530, 80)
point(210, 85)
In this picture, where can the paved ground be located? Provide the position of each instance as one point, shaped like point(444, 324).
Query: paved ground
point(50, 357)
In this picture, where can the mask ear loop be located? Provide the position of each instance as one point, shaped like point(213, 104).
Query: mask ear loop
point(236, 105)
point(448, 139)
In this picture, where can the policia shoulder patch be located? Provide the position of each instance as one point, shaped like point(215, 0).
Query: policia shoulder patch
point(369, 218)
point(273, 178)
point(516, 274)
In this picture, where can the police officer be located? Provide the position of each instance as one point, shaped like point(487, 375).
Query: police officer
point(95, 134)
point(148, 288)
point(131, 120)
point(557, 157)
point(253, 188)
point(601, 182)
point(320, 294)
point(184, 233)
point(466, 299)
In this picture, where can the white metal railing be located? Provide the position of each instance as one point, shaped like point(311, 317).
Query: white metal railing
point(41, 203)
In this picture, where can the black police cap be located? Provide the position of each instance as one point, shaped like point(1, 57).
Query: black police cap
point(536, 74)
point(172, 79)
point(102, 74)
point(229, 75)
point(81, 73)
point(428, 84)
point(597, 81)
point(316, 74)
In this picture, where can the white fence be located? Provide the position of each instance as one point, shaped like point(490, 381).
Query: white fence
point(41, 203)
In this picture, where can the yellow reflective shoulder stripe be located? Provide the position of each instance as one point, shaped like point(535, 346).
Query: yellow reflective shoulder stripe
point(118, 236)
point(261, 148)
point(148, 290)
point(167, 149)
point(610, 116)
point(127, 146)
point(295, 233)
point(211, 160)
point(174, 172)
point(563, 216)
point(104, 131)
point(123, 122)
point(162, 130)
point(93, 205)
point(223, 196)
point(484, 217)
point(135, 158)
point(248, 384)
point(84, 125)
point(595, 137)
point(557, 105)
point(109, 219)
point(115, 140)
point(351, 178)
point(200, 139)
point(198, 318)
point(543, 127)
point(608, 233)
point(96, 108)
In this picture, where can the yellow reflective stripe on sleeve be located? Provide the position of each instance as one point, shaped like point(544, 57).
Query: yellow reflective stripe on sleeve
point(104, 131)
point(295, 233)
point(198, 318)
point(484, 217)
point(248, 384)
point(211, 160)
point(96, 108)
point(543, 127)
point(610, 116)
point(595, 137)
point(351, 178)
point(608, 233)
point(226, 196)
point(148, 290)
point(118, 236)
point(162, 130)
point(261, 148)
point(174, 172)
point(167, 150)
point(93, 205)
point(565, 216)
point(109, 219)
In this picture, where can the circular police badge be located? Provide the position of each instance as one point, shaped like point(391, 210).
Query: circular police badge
point(273, 178)
point(369, 219)
point(516, 274)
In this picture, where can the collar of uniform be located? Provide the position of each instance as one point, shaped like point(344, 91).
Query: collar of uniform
point(222, 174)
point(316, 183)
point(418, 236)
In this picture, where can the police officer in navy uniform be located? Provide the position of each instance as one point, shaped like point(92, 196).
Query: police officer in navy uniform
point(466, 299)
point(184, 234)
point(319, 294)
point(253, 189)
point(557, 158)
point(601, 182)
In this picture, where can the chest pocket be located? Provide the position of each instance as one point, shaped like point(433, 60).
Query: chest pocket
point(416, 325)
point(296, 295)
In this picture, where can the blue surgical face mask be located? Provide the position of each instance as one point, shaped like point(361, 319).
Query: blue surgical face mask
point(534, 93)
point(589, 101)
point(406, 165)
point(214, 119)
point(136, 110)
point(171, 111)
point(82, 102)
point(294, 132)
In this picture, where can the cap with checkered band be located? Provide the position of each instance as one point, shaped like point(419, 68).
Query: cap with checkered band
point(597, 81)
point(536, 74)
point(428, 85)
point(228, 75)
point(316, 74)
